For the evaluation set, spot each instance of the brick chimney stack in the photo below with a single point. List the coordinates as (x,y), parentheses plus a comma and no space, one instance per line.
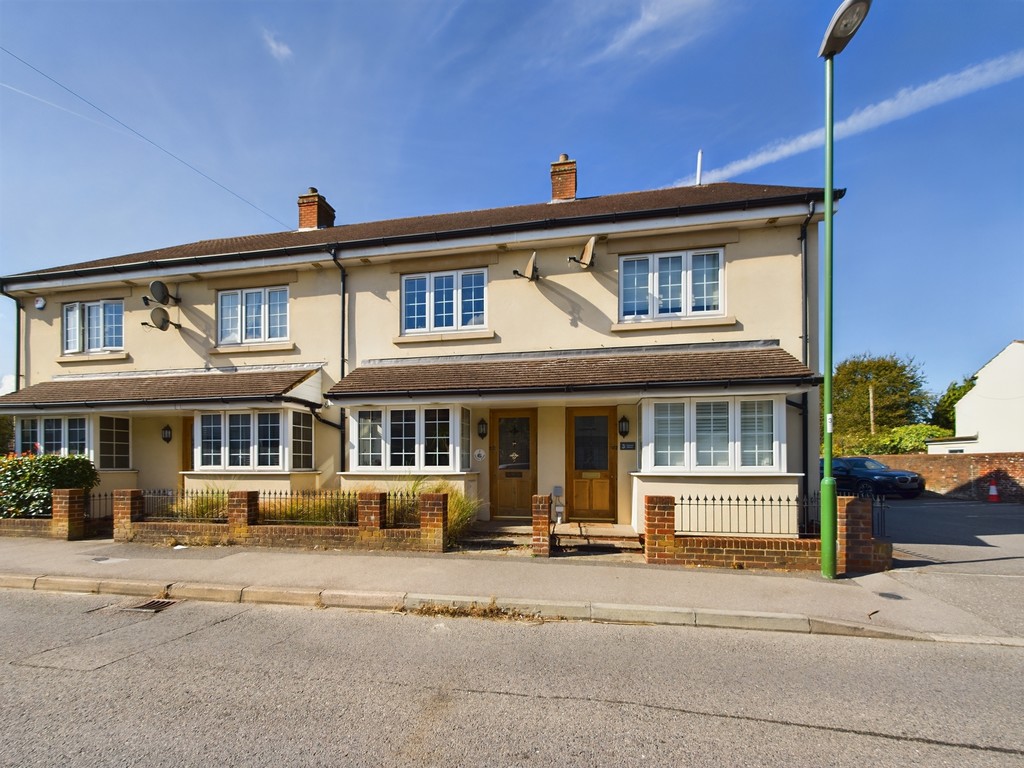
(563,179)
(314,211)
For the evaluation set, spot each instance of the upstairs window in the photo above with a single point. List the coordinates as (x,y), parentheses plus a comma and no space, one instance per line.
(252,315)
(444,301)
(667,285)
(93,326)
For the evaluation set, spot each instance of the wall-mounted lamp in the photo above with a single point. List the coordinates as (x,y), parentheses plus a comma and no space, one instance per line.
(165,433)
(481,428)
(623,426)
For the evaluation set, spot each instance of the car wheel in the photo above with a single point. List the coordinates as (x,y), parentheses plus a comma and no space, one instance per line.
(865,489)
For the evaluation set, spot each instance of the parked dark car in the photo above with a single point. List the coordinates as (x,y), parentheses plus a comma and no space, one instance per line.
(862,476)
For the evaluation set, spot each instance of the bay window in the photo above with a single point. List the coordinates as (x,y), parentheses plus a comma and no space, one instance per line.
(64,436)
(247,440)
(408,439)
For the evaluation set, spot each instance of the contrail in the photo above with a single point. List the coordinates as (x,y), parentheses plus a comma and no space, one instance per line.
(908,101)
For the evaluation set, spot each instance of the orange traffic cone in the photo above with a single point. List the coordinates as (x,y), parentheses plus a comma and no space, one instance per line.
(993,491)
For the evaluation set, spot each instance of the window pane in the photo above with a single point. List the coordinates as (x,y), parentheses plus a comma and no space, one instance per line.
(403,438)
(670,434)
(472,299)
(29,436)
(53,434)
(93,326)
(114,447)
(113,325)
(590,442)
(370,438)
(705,282)
(464,439)
(72,328)
(712,434)
(277,313)
(670,284)
(268,439)
(302,440)
(436,437)
(239,440)
(444,301)
(635,281)
(414,304)
(229,318)
(253,328)
(757,438)
(76,437)
(210,439)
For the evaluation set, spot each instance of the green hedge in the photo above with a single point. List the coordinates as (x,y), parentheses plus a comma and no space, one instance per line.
(27,482)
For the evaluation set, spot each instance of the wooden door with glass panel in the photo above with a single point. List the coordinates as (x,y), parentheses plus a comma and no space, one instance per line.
(591,453)
(513,462)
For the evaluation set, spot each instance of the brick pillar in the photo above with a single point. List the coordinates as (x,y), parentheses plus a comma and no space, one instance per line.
(659,528)
(542,526)
(128,508)
(68,520)
(433,509)
(854,553)
(372,508)
(243,511)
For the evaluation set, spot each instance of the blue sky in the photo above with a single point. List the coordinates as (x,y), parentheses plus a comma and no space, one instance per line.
(404,107)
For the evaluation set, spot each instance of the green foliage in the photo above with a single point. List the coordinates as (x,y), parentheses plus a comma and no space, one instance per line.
(27,482)
(944,414)
(894,385)
(6,434)
(199,506)
(462,510)
(310,508)
(909,438)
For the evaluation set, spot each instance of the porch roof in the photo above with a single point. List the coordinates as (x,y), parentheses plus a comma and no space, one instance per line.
(172,389)
(571,371)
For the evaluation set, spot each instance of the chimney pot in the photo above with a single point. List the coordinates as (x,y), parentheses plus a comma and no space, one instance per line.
(563,179)
(314,211)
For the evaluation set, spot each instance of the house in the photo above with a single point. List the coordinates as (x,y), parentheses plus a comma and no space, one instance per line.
(598,349)
(990,417)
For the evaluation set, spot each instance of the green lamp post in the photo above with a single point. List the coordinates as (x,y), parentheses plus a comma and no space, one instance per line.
(845,23)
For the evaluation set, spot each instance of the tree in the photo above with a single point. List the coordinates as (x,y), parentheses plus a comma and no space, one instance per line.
(873,395)
(944,414)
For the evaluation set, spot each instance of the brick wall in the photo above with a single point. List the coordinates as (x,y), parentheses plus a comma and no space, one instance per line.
(966,475)
(858,551)
(541,541)
(38,527)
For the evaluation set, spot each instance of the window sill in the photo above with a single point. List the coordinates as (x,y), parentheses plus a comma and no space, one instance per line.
(682,322)
(235,349)
(238,471)
(424,338)
(92,357)
(404,472)
(654,473)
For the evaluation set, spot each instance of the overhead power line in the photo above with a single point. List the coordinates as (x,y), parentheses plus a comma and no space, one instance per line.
(145,138)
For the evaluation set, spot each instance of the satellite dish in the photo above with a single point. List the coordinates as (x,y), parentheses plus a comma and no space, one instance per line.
(161,295)
(160,320)
(587,257)
(531,272)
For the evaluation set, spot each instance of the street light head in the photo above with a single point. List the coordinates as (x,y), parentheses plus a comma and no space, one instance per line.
(847,20)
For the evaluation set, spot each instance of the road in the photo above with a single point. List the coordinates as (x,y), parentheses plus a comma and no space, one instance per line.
(84,682)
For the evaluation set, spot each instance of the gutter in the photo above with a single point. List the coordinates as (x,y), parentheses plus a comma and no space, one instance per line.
(17,335)
(805,459)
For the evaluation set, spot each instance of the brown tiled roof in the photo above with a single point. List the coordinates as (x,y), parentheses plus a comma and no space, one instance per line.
(157,390)
(652,204)
(576,372)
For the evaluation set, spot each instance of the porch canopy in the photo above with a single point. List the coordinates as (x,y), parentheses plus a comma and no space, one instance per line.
(292,385)
(631,369)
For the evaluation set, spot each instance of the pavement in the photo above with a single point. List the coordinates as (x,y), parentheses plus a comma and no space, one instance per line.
(586,587)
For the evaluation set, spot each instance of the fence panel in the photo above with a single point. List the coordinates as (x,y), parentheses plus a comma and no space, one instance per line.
(185,505)
(323,507)
(403,510)
(747,516)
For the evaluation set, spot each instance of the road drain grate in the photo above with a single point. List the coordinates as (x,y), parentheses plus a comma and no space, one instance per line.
(151,606)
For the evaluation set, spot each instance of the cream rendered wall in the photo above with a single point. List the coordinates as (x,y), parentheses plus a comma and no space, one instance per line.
(994,408)
(158,463)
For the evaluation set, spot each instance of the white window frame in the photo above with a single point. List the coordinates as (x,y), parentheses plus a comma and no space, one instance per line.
(735,463)
(359,447)
(80,325)
(653,310)
(285,424)
(239,333)
(99,457)
(476,322)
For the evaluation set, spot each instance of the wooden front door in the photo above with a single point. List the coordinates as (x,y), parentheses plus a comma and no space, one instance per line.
(513,462)
(591,453)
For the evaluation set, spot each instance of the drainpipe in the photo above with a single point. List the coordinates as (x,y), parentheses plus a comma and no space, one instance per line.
(341,362)
(17,336)
(805,460)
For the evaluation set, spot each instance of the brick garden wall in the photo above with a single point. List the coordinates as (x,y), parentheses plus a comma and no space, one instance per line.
(966,475)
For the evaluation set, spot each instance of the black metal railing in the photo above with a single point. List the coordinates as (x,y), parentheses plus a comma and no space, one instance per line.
(402,510)
(746,515)
(99,506)
(320,507)
(200,506)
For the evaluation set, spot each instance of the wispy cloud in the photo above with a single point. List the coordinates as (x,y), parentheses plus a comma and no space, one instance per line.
(278,50)
(663,26)
(907,102)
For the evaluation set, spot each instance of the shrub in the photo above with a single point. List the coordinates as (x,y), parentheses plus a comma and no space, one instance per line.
(27,482)
(462,510)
